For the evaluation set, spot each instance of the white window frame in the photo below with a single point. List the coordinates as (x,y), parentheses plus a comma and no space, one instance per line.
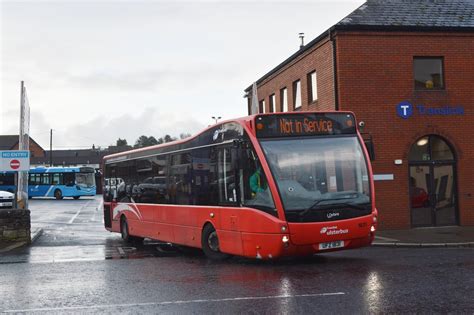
(284,99)
(297,94)
(313,86)
(272,103)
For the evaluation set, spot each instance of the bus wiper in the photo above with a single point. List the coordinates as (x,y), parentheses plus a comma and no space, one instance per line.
(317,202)
(350,205)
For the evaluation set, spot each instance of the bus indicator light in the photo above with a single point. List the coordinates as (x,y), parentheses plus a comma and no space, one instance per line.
(259,126)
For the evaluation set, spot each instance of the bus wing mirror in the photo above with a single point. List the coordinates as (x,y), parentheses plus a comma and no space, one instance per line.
(369,145)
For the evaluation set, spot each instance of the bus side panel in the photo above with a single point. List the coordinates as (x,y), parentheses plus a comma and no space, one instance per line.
(262,246)
(140,228)
(256,221)
(249,232)
(230,242)
(184,217)
(40,190)
(187,235)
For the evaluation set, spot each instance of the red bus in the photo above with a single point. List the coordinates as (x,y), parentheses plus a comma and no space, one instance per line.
(262,186)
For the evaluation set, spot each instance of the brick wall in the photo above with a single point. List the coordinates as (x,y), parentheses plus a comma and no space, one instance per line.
(35,149)
(320,59)
(374,75)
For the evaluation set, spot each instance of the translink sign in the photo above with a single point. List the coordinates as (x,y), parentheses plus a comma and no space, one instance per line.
(405,110)
(14,161)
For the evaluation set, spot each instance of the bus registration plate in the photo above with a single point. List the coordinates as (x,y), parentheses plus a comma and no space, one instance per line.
(330,245)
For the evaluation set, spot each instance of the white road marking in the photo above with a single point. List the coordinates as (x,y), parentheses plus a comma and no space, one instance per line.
(75,216)
(386,238)
(79,211)
(243,298)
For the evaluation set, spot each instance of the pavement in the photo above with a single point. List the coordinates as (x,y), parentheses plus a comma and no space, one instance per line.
(449,236)
(8,246)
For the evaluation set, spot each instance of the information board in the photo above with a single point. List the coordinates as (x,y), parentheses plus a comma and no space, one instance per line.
(14,161)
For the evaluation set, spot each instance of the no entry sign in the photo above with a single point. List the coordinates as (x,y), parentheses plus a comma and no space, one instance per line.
(14,161)
(15,164)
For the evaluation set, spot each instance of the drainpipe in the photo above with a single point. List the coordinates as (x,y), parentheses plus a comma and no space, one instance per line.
(334,67)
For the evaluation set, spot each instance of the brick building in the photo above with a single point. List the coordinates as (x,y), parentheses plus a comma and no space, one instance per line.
(11,142)
(406,69)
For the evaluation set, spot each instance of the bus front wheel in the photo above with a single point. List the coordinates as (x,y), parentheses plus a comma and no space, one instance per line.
(210,244)
(58,194)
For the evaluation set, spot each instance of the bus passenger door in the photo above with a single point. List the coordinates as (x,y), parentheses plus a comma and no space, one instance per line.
(228,198)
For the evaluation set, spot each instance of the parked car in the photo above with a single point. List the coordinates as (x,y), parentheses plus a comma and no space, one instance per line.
(6,199)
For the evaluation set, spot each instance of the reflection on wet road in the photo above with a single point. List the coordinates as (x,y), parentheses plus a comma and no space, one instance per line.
(78,267)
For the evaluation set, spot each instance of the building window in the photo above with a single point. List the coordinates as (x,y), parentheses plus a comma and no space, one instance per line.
(428,73)
(272,103)
(284,99)
(297,94)
(312,87)
(261,107)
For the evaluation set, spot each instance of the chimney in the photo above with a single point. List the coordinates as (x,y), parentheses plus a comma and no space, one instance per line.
(301,35)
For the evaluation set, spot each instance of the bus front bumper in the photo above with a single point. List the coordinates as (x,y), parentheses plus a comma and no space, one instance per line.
(271,246)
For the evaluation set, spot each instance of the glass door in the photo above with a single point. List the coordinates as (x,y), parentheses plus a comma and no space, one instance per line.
(444,197)
(433,195)
(420,195)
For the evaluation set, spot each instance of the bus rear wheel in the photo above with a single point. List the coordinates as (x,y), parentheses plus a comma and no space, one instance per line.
(210,244)
(58,194)
(126,234)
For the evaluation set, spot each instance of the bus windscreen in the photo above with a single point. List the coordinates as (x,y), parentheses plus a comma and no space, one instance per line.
(305,124)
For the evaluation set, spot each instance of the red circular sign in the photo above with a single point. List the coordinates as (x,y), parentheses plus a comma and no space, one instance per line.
(15,164)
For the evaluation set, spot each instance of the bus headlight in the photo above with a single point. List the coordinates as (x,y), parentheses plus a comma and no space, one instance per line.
(372,229)
(374,219)
(284,228)
(285,239)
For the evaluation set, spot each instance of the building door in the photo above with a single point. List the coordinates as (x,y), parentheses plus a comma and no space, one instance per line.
(432,181)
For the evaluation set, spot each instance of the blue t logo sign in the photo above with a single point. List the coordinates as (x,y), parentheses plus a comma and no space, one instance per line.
(404,109)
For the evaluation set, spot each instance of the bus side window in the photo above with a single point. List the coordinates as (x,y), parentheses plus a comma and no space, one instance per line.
(109,183)
(68,179)
(46,179)
(226,176)
(256,193)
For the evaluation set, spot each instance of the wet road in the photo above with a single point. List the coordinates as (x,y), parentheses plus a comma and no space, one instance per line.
(77,267)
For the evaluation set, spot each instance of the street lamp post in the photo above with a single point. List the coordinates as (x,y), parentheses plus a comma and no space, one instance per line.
(216,119)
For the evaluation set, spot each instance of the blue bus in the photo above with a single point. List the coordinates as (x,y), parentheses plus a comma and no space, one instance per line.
(57,182)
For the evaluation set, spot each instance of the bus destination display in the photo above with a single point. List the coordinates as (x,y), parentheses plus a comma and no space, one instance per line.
(289,125)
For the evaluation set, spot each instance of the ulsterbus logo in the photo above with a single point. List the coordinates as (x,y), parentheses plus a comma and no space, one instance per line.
(405,109)
(333,230)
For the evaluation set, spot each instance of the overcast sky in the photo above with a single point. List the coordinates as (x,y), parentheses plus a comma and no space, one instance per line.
(99,70)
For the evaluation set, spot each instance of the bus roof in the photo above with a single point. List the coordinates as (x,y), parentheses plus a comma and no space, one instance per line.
(242,121)
(78,169)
